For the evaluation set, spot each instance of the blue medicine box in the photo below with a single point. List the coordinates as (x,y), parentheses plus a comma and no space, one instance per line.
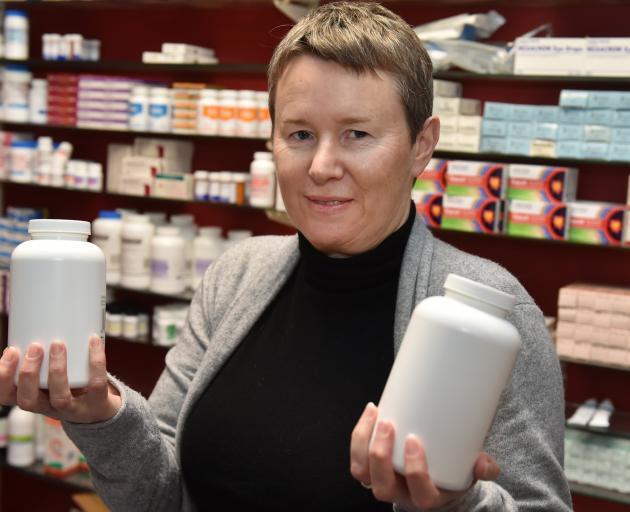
(521,129)
(572,115)
(523,112)
(516,146)
(570,132)
(496,110)
(546,131)
(573,98)
(547,114)
(493,145)
(568,148)
(494,127)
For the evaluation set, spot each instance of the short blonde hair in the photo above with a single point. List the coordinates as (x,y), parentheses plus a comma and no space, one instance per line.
(362,37)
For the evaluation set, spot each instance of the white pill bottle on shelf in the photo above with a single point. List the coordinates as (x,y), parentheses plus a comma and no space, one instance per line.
(106,233)
(263,188)
(168,261)
(21,427)
(58,293)
(444,387)
(135,264)
(15,35)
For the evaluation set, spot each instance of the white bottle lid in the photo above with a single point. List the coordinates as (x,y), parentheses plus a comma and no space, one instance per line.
(168,231)
(262,96)
(228,94)
(263,155)
(239,177)
(247,95)
(210,232)
(480,292)
(209,94)
(225,176)
(140,90)
(74,227)
(215,175)
(160,91)
(45,143)
(201,175)
(39,83)
(135,218)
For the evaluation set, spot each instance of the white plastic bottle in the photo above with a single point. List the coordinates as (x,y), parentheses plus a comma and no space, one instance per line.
(264,119)
(188,231)
(15,35)
(228,105)
(95,176)
(15,93)
(58,293)
(444,387)
(38,101)
(43,165)
(160,110)
(106,233)
(247,116)
(208,112)
(139,109)
(263,188)
(21,450)
(137,233)
(168,261)
(207,247)
(202,186)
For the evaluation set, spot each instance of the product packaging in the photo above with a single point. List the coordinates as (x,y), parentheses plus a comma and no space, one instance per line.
(429,207)
(596,223)
(476,179)
(433,178)
(478,215)
(533,219)
(541,183)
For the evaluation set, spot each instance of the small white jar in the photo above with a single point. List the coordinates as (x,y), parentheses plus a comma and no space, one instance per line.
(106,233)
(228,106)
(160,108)
(94,176)
(168,261)
(264,119)
(207,247)
(215,186)
(21,429)
(137,233)
(202,186)
(263,186)
(247,123)
(15,93)
(16,33)
(208,112)
(139,109)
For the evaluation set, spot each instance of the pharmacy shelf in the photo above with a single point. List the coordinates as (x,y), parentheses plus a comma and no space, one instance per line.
(600,492)
(611,366)
(185,296)
(77,481)
(32,126)
(121,65)
(509,77)
(619,423)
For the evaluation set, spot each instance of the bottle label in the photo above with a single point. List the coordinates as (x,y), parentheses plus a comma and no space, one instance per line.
(159,268)
(21,439)
(158,110)
(263,114)
(247,115)
(227,113)
(210,112)
(201,265)
(135,109)
(15,35)
(135,256)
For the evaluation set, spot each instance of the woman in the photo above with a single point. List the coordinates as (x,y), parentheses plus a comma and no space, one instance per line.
(289,337)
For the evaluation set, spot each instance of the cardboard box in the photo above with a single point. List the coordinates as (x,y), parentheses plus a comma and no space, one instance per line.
(115,155)
(475,179)
(447,142)
(547,113)
(534,219)
(599,116)
(173,186)
(175,150)
(521,129)
(497,110)
(541,183)
(546,131)
(473,214)
(429,207)
(516,146)
(596,223)
(519,112)
(597,133)
(448,123)
(493,145)
(543,148)
(458,106)
(568,149)
(61,457)
(467,142)
(574,98)
(469,125)
(447,89)
(549,56)
(494,127)
(433,178)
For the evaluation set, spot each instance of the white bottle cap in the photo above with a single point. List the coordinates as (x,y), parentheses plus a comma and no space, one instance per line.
(135,217)
(247,95)
(263,155)
(74,227)
(210,232)
(168,231)
(480,292)
(209,93)
(201,175)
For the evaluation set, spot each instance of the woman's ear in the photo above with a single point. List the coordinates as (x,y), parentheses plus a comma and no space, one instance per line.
(425,143)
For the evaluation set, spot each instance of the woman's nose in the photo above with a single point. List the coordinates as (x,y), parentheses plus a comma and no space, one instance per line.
(326,164)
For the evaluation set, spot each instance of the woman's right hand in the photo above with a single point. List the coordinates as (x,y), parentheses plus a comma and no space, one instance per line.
(97,402)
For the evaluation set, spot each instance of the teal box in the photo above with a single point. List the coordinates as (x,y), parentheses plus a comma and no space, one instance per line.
(568,148)
(496,110)
(570,132)
(574,99)
(597,133)
(604,99)
(494,128)
(521,129)
(599,116)
(595,150)
(546,131)
(516,146)
(620,134)
(572,115)
(493,145)
(621,118)
(619,152)
(623,101)
(547,113)
(523,112)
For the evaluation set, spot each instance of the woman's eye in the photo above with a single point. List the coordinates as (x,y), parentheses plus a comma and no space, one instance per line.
(358,134)
(301,135)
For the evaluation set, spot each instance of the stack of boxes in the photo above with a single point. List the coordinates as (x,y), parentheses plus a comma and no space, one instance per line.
(591,125)
(63,90)
(103,102)
(460,118)
(594,324)
(185,102)
(179,53)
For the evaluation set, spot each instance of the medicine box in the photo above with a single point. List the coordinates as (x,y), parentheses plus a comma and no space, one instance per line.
(521,129)
(596,223)
(619,152)
(447,142)
(469,125)
(568,149)
(516,146)
(599,116)
(478,215)
(605,100)
(620,118)
(595,150)
(573,98)
(597,133)
(493,145)
(447,89)
(549,56)
(543,148)
(61,456)
(572,115)
(541,183)
(429,207)
(448,123)
(570,131)
(523,112)
(476,179)
(547,131)
(494,127)
(433,178)
(459,106)
(547,113)
(467,142)
(173,186)
(496,110)
(534,219)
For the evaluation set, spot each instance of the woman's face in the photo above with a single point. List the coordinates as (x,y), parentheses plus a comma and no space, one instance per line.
(344,158)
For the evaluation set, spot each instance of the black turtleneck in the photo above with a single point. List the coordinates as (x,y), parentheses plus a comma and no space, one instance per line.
(271,432)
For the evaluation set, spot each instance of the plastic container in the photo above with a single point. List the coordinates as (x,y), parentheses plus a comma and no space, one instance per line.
(23,161)
(228,107)
(15,93)
(80,175)
(247,122)
(208,112)
(188,231)
(21,427)
(137,233)
(139,109)
(106,233)
(240,186)
(263,187)
(264,120)
(228,187)
(168,261)
(94,176)
(50,46)
(15,35)
(214,179)
(76,50)
(130,326)
(60,159)
(43,161)
(202,186)
(58,293)
(444,387)
(156,218)
(113,323)
(207,247)
(38,102)
(160,108)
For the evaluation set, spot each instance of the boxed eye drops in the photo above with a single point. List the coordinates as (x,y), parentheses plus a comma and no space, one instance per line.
(474,214)
(541,183)
(596,223)
(429,207)
(533,219)
(433,178)
(476,179)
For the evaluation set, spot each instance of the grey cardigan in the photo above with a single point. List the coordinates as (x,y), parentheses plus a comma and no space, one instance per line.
(134,456)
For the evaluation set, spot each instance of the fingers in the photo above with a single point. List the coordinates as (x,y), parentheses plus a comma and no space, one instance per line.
(359,462)
(486,468)
(98,383)
(422,491)
(384,483)
(29,396)
(8,367)
(58,389)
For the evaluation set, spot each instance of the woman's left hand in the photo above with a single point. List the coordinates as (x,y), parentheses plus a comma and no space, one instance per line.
(372,467)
